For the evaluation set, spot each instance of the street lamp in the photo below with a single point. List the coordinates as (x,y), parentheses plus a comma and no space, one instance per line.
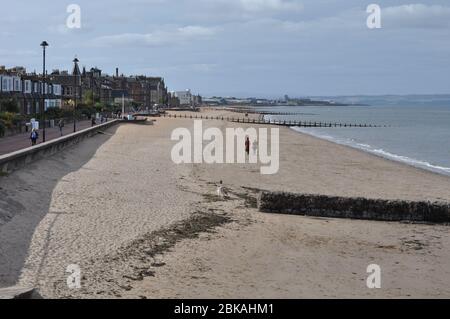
(75,62)
(44,44)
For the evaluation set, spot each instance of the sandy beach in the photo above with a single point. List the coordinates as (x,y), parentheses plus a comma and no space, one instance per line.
(140,226)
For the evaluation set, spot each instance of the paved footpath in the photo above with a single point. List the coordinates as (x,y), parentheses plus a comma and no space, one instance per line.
(20,141)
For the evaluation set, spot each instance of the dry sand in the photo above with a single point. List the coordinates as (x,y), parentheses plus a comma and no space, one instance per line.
(140,226)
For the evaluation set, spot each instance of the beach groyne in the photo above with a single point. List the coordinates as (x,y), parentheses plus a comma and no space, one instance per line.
(262,121)
(16,160)
(353,208)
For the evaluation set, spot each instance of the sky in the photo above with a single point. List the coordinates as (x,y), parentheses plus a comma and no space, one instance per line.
(244,48)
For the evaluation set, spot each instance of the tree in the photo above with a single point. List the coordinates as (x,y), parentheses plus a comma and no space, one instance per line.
(2,128)
(54,113)
(88,98)
(100,106)
(9,105)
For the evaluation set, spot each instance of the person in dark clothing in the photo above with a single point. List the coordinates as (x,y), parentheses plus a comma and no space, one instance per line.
(34,137)
(61,126)
(93,121)
(247,145)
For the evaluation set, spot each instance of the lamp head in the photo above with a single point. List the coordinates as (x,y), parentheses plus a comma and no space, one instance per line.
(44,44)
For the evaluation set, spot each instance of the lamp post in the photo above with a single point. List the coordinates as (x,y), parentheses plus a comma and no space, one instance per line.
(44,44)
(75,62)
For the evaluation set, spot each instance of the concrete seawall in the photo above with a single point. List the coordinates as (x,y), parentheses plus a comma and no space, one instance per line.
(354,208)
(16,160)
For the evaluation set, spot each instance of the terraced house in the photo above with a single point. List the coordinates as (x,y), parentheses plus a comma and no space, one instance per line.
(61,88)
(29,90)
(144,91)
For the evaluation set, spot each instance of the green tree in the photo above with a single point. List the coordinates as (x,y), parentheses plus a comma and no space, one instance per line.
(54,113)
(9,105)
(88,98)
(100,106)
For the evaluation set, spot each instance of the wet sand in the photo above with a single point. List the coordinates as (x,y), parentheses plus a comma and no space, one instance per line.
(110,205)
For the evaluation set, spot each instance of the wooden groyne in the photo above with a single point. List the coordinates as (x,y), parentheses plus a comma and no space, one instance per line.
(353,208)
(245,111)
(261,121)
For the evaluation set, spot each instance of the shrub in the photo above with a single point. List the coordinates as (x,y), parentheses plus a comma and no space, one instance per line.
(53,113)
(9,105)
(8,119)
(2,128)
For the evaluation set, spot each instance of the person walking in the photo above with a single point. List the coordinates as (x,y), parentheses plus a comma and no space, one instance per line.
(247,145)
(93,121)
(34,137)
(255,147)
(61,126)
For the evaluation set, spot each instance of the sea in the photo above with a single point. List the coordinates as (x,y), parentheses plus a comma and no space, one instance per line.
(416,129)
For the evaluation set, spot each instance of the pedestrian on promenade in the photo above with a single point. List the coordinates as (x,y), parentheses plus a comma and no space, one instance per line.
(255,147)
(61,126)
(34,136)
(247,145)
(93,121)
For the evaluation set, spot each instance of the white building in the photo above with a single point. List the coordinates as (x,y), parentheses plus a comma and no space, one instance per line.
(185,97)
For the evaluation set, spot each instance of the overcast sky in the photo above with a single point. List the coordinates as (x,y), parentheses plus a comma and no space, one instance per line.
(242,47)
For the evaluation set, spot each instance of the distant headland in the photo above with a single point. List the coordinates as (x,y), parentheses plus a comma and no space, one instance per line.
(286,101)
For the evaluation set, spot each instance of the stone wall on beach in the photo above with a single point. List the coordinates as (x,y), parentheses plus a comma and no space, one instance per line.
(354,208)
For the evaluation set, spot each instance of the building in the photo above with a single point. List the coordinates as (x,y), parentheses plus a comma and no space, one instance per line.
(70,86)
(62,88)
(100,85)
(29,90)
(145,92)
(173,101)
(185,97)
(198,100)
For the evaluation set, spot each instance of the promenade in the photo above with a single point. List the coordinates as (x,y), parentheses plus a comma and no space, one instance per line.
(20,141)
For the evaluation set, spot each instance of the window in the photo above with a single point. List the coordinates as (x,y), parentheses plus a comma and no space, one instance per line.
(57,89)
(27,84)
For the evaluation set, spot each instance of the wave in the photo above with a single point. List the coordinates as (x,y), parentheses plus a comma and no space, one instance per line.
(378,151)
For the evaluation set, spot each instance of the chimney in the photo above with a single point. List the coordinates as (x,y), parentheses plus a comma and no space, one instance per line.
(117,72)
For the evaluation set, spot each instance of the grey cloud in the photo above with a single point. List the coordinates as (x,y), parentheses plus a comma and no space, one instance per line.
(416,16)
(157,38)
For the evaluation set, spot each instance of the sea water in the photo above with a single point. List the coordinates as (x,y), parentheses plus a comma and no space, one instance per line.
(417,132)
